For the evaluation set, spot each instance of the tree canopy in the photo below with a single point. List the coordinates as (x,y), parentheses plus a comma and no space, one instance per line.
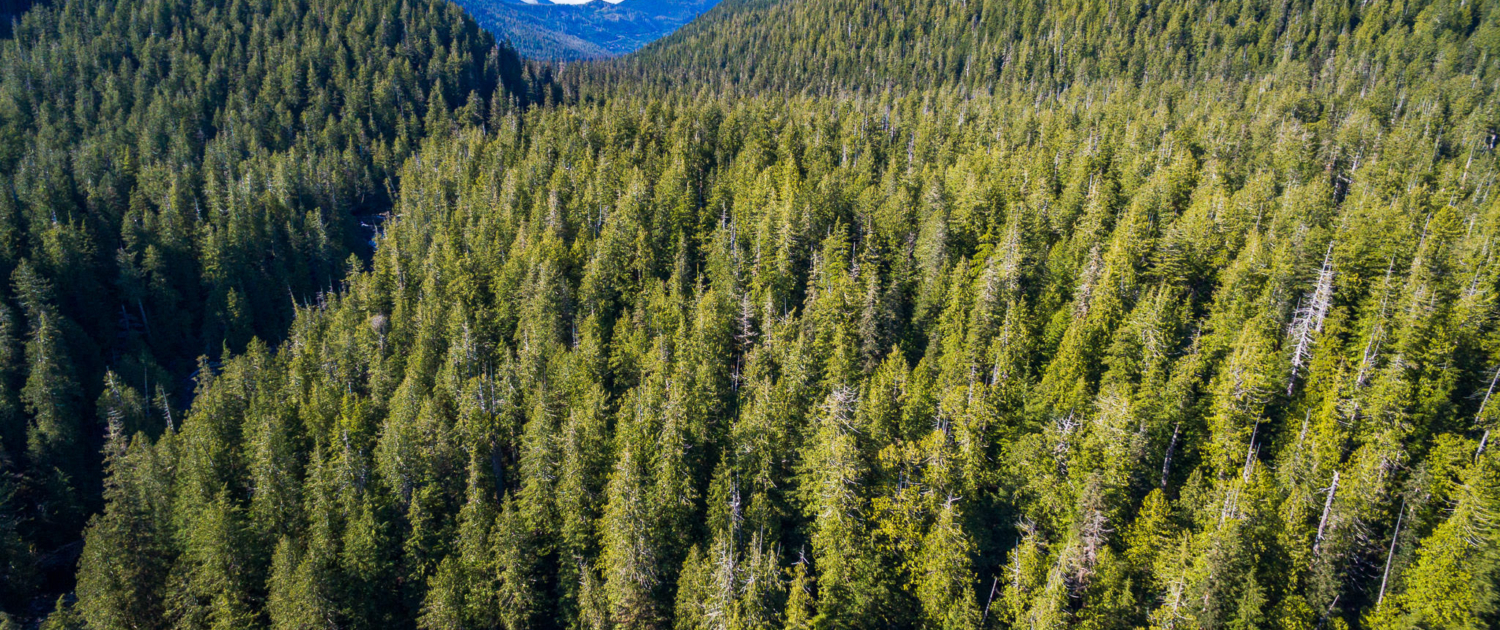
(815,314)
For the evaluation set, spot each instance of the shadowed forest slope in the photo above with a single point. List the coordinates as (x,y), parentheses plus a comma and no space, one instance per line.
(174,178)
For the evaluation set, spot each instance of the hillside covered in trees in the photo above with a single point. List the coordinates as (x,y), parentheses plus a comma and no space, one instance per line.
(815,314)
(174,178)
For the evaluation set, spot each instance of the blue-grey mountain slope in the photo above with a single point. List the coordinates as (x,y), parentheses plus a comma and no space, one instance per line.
(594,29)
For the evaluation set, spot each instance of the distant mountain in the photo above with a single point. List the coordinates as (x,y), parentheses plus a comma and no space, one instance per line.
(569,29)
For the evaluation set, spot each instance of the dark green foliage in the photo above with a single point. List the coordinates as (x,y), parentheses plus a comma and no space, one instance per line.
(175,177)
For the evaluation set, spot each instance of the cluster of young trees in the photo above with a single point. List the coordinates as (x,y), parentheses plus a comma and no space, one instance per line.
(815,315)
(174,176)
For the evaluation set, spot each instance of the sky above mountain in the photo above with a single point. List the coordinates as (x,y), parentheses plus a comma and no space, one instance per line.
(582,29)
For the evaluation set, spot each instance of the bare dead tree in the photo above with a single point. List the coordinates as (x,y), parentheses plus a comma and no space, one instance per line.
(1394,536)
(994,588)
(1377,332)
(1308,319)
(1327,507)
(1479,417)
(1166,465)
(1084,294)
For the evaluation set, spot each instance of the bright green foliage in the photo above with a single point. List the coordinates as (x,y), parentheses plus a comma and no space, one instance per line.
(1452,583)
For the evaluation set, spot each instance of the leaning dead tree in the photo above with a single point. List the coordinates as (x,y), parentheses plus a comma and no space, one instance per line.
(1479,417)
(1389,554)
(1307,322)
(1327,507)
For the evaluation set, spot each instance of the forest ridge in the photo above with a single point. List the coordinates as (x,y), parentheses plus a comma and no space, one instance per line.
(815,314)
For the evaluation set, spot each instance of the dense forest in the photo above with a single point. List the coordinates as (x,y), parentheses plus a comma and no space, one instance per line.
(174,178)
(832,47)
(815,314)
